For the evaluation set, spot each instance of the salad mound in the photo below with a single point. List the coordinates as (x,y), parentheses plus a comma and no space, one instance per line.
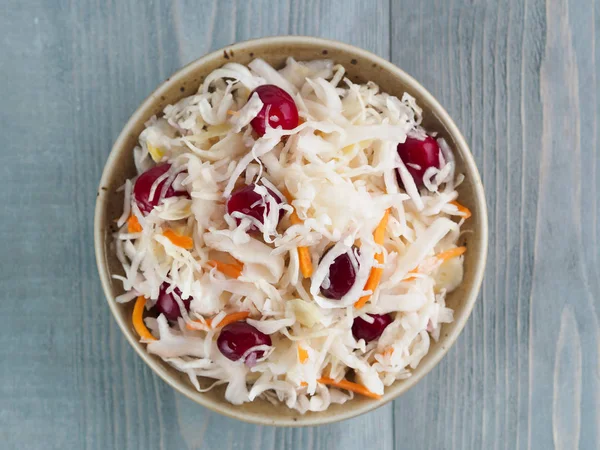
(290,234)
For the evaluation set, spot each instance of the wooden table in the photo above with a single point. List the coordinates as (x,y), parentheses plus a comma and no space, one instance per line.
(520,78)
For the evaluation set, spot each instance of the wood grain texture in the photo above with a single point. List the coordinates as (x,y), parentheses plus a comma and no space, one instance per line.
(518,76)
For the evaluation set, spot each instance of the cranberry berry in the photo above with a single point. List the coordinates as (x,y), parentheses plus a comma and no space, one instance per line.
(279,109)
(237,338)
(361,329)
(418,156)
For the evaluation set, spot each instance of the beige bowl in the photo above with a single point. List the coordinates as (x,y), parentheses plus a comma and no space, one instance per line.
(362,66)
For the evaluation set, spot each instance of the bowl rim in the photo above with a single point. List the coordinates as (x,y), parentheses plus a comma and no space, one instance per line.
(392,391)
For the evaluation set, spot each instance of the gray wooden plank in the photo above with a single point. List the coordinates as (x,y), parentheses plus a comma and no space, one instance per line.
(519,78)
(76,71)
(573,326)
(36,343)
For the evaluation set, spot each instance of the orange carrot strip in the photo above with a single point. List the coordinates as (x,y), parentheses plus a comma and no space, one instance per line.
(231,270)
(293,216)
(388,351)
(376,272)
(305,262)
(443,256)
(232,113)
(138,319)
(133,224)
(349,386)
(372,282)
(237,263)
(463,209)
(379,233)
(295,219)
(302,355)
(410,274)
(452,253)
(193,328)
(303,383)
(229,318)
(304,259)
(185,242)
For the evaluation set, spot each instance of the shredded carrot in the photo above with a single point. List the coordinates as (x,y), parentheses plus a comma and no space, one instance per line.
(138,319)
(409,276)
(293,216)
(133,224)
(303,383)
(376,272)
(302,355)
(295,219)
(379,233)
(304,259)
(372,282)
(452,253)
(232,113)
(388,351)
(231,270)
(442,257)
(349,386)
(229,318)
(237,263)
(463,209)
(305,262)
(179,240)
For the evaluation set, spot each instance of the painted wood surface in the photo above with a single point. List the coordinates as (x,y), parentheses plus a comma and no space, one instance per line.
(520,78)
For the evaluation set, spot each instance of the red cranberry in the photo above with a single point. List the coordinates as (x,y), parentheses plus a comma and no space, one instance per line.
(249,202)
(237,338)
(424,154)
(167,305)
(342,275)
(143,185)
(361,329)
(282,110)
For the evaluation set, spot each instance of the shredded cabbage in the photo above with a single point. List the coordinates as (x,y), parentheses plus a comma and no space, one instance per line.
(340,167)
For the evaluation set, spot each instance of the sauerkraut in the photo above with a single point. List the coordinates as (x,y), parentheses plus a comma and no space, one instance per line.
(319,183)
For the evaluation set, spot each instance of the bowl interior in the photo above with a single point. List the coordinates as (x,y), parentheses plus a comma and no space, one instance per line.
(361,66)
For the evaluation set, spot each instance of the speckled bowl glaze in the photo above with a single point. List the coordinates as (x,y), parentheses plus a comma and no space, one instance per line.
(362,66)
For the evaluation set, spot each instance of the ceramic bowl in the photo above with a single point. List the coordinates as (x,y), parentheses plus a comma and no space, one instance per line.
(362,66)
